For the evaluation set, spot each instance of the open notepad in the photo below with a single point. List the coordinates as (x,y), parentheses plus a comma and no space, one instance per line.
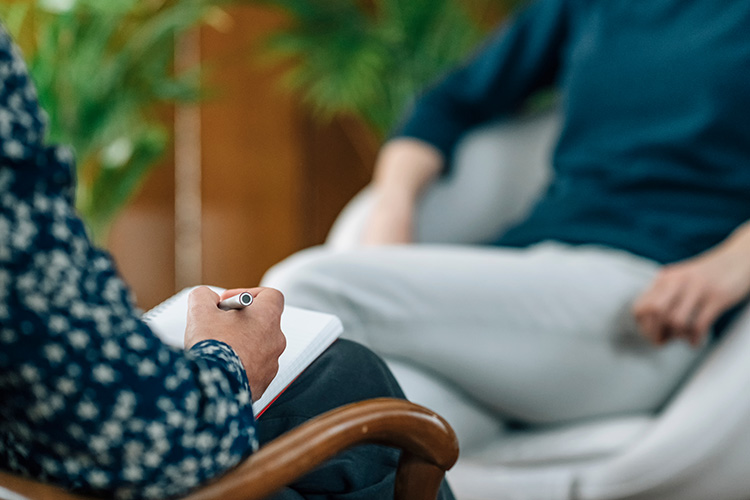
(308,333)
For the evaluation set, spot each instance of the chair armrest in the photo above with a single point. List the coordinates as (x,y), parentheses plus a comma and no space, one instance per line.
(428,443)
(700,439)
(19,488)
(429,448)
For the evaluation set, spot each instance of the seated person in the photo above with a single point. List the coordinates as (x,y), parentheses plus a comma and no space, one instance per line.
(602,299)
(92,401)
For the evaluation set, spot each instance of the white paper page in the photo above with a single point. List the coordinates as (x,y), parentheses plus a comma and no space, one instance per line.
(308,334)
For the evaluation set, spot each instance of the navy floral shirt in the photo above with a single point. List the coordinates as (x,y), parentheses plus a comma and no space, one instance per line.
(90,399)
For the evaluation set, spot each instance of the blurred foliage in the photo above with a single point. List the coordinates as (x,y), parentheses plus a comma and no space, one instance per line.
(370,58)
(102,67)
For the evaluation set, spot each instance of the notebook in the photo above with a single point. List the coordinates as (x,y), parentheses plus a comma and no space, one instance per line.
(308,333)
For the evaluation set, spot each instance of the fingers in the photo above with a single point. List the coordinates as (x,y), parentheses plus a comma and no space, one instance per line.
(687,297)
(265,294)
(680,319)
(270,296)
(677,307)
(652,309)
(704,319)
(236,291)
(202,298)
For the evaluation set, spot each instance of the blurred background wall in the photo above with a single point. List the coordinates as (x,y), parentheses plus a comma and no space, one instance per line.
(272,178)
(214,138)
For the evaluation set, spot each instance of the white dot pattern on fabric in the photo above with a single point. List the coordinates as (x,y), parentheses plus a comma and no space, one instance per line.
(91,399)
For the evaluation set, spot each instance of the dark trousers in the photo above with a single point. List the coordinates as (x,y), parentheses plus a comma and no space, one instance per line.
(345,373)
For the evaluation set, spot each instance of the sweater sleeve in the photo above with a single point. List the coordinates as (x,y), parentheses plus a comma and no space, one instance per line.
(91,399)
(521,57)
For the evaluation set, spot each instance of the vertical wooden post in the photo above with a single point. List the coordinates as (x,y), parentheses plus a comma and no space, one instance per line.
(187,149)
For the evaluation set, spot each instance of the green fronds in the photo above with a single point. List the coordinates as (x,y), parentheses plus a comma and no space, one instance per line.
(102,69)
(370,58)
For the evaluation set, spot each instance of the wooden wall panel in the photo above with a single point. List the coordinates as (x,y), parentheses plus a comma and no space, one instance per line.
(273,179)
(142,239)
(339,157)
(252,159)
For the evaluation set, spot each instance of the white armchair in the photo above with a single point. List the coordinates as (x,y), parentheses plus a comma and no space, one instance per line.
(696,448)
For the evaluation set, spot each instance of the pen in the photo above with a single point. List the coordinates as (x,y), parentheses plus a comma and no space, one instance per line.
(236,302)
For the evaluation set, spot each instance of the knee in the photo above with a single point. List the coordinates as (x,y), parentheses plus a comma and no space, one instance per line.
(291,269)
(345,352)
(355,365)
(340,283)
(302,275)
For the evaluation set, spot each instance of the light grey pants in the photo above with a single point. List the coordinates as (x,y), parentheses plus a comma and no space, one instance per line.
(540,335)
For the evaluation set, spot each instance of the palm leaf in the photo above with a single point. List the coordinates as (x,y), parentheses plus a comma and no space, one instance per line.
(102,68)
(371,59)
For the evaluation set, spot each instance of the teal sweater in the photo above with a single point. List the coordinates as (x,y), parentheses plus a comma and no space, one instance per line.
(654,154)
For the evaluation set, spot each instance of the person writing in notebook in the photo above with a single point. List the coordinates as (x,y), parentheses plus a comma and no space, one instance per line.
(92,401)
(602,299)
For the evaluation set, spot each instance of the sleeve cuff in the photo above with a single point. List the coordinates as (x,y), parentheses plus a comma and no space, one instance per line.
(221,355)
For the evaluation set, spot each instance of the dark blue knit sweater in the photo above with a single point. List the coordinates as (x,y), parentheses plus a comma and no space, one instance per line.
(654,156)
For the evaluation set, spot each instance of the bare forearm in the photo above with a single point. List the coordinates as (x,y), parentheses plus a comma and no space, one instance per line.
(405,167)
(739,241)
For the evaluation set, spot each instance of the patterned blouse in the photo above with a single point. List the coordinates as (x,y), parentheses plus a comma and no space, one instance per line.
(90,399)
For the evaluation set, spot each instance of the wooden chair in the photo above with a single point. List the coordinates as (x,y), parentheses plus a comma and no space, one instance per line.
(429,448)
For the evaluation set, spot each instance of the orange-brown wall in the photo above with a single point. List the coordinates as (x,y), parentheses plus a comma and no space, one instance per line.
(273,179)
(142,239)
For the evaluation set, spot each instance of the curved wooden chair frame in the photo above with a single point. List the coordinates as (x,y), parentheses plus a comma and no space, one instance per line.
(429,448)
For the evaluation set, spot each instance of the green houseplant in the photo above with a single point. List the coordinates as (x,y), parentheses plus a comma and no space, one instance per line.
(102,69)
(369,58)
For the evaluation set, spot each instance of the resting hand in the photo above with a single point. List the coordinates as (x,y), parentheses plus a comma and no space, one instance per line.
(404,168)
(686,298)
(254,332)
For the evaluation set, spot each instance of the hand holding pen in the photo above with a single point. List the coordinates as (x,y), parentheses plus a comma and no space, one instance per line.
(255,336)
(238,301)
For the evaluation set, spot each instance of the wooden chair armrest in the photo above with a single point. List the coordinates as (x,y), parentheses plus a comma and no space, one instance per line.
(31,490)
(429,448)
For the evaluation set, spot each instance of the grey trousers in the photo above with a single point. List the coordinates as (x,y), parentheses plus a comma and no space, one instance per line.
(536,335)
